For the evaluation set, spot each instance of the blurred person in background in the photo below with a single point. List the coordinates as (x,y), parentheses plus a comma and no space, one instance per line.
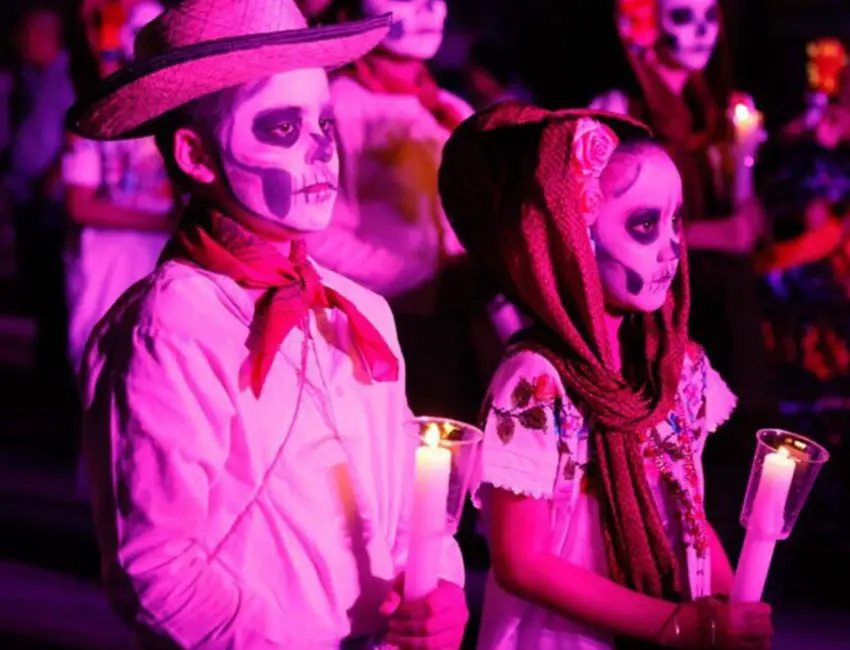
(39,95)
(124,208)
(489,75)
(804,180)
(389,232)
(676,79)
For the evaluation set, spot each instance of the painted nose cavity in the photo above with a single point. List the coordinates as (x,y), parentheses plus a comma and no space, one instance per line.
(671,252)
(323,150)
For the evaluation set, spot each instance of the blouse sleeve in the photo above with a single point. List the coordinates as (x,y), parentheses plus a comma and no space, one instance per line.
(520,448)
(720,401)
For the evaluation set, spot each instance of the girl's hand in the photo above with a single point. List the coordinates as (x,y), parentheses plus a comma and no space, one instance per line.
(709,623)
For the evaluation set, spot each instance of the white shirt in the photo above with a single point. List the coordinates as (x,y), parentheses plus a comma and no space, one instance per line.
(230,521)
(389,232)
(104,262)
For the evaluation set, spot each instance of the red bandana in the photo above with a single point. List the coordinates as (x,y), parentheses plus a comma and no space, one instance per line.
(220,244)
(378,73)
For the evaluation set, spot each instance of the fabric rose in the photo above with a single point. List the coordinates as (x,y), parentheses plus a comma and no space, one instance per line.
(593,144)
(589,197)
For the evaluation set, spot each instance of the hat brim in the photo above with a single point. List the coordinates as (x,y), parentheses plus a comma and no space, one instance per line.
(129,101)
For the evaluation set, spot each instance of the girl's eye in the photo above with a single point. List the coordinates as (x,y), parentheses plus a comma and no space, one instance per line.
(327,125)
(677,222)
(645,226)
(285,129)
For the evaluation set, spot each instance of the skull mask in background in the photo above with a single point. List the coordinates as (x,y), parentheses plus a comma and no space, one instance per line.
(417,27)
(139,15)
(689,31)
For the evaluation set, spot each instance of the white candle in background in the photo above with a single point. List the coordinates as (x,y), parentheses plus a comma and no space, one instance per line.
(428,516)
(749,135)
(764,526)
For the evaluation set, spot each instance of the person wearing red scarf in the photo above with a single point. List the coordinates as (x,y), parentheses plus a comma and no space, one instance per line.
(596,419)
(245,407)
(389,231)
(676,78)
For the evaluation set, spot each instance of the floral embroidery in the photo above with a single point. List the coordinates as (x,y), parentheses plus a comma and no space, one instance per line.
(589,477)
(671,444)
(545,389)
(530,401)
(540,390)
(504,427)
(523,393)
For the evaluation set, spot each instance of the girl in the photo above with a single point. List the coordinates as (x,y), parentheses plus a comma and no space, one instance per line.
(597,417)
(675,76)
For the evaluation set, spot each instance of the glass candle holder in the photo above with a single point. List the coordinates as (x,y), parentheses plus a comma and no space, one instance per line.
(446,453)
(784,469)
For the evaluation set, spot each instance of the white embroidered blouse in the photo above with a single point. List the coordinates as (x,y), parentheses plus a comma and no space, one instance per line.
(536,444)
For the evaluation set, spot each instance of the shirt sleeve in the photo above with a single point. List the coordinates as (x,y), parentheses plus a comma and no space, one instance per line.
(156,438)
(81,163)
(720,401)
(613,101)
(520,448)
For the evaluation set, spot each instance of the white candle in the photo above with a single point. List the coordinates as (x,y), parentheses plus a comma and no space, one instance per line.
(764,526)
(428,516)
(748,138)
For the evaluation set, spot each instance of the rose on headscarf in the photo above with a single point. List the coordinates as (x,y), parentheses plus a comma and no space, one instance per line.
(593,145)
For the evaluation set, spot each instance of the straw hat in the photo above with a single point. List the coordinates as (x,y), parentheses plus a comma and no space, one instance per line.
(202,46)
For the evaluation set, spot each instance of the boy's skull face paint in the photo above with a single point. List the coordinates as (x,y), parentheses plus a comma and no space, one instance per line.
(638,233)
(417,27)
(689,31)
(140,14)
(278,150)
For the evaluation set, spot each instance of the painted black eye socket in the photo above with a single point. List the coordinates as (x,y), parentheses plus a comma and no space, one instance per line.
(711,14)
(682,16)
(328,125)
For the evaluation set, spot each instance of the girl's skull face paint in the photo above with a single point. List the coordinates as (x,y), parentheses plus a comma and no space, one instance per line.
(689,31)
(140,14)
(278,150)
(417,27)
(638,230)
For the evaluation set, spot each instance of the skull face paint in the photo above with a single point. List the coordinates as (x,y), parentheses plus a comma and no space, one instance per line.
(140,14)
(278,150)
(638,230)
(417,27)
(689,31)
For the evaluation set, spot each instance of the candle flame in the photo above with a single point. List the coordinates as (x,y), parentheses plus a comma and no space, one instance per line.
(783,451)
(799,444)
(742,114)
(432,435)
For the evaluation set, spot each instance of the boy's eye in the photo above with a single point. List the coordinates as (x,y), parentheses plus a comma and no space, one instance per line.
(328,125)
